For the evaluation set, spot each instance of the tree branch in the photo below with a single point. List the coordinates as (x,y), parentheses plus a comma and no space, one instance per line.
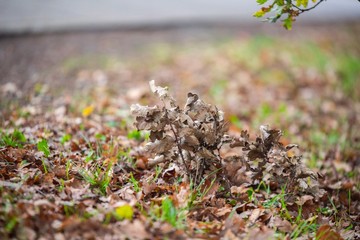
(308,9)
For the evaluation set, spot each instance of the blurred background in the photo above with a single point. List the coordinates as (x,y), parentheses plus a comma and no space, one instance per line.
(36,16)
(51,41)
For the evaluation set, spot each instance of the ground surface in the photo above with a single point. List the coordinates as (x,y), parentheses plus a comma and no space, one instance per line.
(74,167)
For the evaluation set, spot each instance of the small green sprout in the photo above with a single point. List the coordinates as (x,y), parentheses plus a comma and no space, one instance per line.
(16,139)
(44,147)
(135,183)
(65,138)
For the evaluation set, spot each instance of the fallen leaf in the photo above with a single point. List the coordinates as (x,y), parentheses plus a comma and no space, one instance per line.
(235,223)
(326,233)
(124,212)
(304,199)
(87,111)
(134,230)
(223,211)
(255,214)
(281,224)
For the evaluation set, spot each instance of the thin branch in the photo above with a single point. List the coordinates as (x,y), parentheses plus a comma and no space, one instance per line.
(307,9)
(180,150)
(178,143)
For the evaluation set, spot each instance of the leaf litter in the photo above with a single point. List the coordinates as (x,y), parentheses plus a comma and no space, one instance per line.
(188,174)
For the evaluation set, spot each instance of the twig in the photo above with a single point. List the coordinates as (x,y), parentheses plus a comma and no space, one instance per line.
(307,9)
(199,170)
(178,143)
(180,150)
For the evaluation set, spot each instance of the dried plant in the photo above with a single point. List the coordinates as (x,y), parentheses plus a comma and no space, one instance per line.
(193,136)
(268,160)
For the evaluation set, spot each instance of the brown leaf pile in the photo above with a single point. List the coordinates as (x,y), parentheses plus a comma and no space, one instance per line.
(104,180)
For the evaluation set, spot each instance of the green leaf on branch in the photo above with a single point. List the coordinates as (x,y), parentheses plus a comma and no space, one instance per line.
(284,8)
(261,1)
(259,14)
(288,23)
(305,3)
